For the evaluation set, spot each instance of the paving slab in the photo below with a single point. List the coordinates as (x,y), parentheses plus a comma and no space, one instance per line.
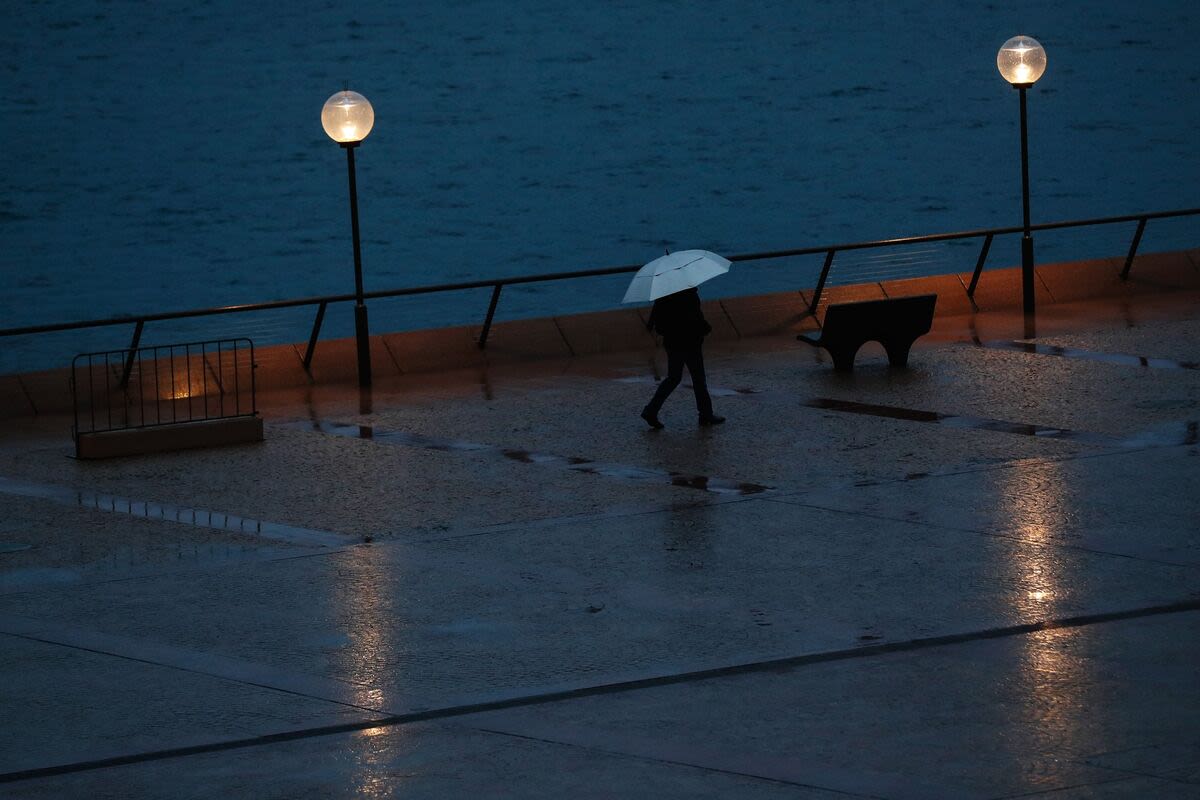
(418,761)
(992,718)
(981,719)
(1041,502)
(103,706)
(478,618)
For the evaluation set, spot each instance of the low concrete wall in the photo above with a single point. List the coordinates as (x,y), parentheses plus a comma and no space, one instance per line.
(164,438)
(334,361)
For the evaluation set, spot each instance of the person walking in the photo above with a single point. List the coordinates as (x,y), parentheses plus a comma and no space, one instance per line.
(679,319)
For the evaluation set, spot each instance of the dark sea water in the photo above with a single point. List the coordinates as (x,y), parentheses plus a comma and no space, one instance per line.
(169,155)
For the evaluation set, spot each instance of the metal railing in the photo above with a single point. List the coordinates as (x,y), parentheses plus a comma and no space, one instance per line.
(498,284)
(163,385)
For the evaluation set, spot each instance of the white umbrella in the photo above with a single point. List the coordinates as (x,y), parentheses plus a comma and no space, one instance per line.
(673,273)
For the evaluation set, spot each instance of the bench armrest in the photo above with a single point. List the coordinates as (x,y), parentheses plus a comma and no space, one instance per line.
(800,337)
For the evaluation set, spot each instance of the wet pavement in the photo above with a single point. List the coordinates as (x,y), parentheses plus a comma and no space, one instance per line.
(977,578)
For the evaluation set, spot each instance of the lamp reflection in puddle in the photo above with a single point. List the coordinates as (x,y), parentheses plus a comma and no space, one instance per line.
(1052,681)
(1037,500)
(369,615)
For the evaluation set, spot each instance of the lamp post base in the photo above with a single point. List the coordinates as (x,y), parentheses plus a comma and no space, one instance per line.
(1027,284)
(363,337)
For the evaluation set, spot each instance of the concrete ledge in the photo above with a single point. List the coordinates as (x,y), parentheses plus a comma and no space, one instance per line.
(1155,272)
(46,390)
(279,366)
(163,438)
(608,331)
(426,351)
(1001,288)
(1081,280)
(850,293)
(723,328)
(952,293)
(336,361)
(768,314)
(524,340)
(13,400)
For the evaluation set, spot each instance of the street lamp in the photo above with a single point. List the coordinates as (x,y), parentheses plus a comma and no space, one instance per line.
(1021,61)
(348,117)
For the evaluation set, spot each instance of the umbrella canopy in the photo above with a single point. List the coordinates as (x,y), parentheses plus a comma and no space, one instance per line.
(673,273)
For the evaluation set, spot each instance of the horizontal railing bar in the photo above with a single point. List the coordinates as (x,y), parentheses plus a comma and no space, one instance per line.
(587,273)
(231,340)
(973,234)
(882,262)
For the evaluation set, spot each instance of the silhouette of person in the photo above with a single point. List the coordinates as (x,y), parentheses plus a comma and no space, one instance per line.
(680,321)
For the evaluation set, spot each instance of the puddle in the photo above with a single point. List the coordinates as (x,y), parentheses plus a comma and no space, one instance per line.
(184,515)
(703,483)
(961,421)
(37,577)
(1087,355)
(1170,434)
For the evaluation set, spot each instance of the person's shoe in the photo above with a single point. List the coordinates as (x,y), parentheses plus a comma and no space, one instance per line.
(652,419)
(712,419)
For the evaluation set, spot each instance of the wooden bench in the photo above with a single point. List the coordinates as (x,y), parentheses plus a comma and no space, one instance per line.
(895,323)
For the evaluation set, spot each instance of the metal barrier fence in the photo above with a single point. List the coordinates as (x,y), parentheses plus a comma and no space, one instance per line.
(163,385)
(498,284)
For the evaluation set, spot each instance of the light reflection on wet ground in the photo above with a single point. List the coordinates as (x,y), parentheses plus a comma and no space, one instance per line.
(704,483)
(167,512)
(1122,359)
(959,421)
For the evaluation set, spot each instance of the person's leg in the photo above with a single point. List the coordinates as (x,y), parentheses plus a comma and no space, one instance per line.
(675,362)
(695,365)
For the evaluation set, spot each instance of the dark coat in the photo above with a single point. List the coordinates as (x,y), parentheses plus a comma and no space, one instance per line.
(679,319)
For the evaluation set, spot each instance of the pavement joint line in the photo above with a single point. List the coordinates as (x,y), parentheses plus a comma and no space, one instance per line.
(1128,774)
(591,748)
(715,391)
(525,701)
(1007,535)
(721,486)
(780,494)
(521,526)
(167,512)
(246,673)
(166,568)
(1057,789)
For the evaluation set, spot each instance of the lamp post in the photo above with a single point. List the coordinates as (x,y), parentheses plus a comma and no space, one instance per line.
(348,117)
(1021,61)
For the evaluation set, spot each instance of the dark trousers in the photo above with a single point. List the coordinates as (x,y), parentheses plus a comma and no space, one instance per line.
(677,359)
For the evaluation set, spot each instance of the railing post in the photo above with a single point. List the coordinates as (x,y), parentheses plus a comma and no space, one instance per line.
(983,254)
(812,308)
(491,312)
(312,339)
(133,346)
(253,380)
(1137,239)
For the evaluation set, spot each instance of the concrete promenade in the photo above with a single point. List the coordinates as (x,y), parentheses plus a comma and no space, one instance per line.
(976,578)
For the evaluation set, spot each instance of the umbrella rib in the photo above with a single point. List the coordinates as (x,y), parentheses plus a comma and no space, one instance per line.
(681,266)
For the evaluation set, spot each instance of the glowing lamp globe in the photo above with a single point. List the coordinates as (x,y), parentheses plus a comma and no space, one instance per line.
(1021,60)
(347,117)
